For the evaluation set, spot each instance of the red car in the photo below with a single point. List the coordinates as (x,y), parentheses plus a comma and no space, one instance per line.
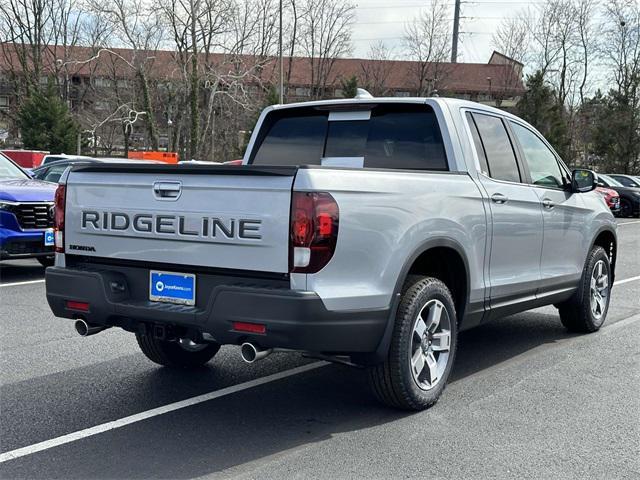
(611,197)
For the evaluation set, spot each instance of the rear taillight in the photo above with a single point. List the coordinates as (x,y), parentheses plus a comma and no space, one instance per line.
(59,204)
(314,231)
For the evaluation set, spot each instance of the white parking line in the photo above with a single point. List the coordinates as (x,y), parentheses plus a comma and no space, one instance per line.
(627,280)
(15,284)
(154,412)
(629,223)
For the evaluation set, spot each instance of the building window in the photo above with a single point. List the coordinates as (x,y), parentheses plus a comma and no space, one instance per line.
(123,83)
(402,93)
(4,102)
(303,92)
(339,92)
(101,105)
(101,82)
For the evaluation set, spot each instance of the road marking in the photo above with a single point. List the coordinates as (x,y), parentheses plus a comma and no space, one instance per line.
(15,284)
(629,223)
(154,412)
(627,280)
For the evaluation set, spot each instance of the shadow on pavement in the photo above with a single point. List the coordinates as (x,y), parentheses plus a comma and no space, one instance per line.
(245,427)
(20,271)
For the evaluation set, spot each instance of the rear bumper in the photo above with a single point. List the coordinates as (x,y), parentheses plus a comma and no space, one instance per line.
(293,319)
(17,244)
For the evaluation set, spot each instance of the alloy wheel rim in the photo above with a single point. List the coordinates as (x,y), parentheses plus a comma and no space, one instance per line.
(430,345)
(599,290)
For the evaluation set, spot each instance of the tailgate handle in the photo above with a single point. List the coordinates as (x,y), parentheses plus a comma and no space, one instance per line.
(167,190)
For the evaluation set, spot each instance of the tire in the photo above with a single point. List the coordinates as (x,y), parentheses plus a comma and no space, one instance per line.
(625,208)
(46,261)
(174,354)
(586,311)
(394,382)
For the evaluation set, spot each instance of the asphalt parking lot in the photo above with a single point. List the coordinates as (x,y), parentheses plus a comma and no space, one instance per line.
(526,399)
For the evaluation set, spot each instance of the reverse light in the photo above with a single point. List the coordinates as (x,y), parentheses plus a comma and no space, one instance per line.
(58,217)
(314,231)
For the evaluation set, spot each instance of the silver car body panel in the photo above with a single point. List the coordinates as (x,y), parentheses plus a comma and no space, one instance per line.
(387,217)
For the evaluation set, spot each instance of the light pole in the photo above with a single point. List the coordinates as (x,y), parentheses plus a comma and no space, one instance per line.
(280,54)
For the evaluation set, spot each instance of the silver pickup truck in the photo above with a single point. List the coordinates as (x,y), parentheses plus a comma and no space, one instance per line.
(365,231)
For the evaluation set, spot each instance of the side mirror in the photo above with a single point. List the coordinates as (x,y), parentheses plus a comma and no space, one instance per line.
(583,180)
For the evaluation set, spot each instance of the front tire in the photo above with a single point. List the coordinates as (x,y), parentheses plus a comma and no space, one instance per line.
(423,347)
(181,353)
(626,210)
(586,311)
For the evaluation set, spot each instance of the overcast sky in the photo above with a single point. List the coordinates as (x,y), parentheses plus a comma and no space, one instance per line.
(385,20)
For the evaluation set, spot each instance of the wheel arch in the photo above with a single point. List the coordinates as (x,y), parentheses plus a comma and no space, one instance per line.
(608,240)
(421,262)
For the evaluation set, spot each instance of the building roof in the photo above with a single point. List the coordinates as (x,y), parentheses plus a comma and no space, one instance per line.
(164,65)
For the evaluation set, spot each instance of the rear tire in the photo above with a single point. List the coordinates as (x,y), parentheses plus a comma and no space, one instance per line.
(174,354)
(423,347)
(46,261)
(586,311)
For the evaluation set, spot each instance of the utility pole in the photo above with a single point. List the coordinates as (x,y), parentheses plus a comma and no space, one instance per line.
(281,67)
(456,28)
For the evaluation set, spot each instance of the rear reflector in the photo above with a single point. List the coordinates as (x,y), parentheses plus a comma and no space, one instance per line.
(249,327)
(82,306)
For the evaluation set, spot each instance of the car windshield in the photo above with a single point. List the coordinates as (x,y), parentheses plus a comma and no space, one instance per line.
(10,171)
(610,181)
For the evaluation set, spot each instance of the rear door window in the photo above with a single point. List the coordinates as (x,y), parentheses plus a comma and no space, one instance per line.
(498,150)
(293,140)
(397,136)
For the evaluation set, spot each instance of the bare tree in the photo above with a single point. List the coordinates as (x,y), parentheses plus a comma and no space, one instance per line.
(325,35)
(428,43)
(136,26)
(377,69)
(511,38)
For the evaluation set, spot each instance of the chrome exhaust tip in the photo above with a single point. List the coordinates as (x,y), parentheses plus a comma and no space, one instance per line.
(85,329)
(250,353)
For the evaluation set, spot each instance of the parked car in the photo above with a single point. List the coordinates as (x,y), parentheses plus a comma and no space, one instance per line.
(363,231)
(626,180)
(61,156)
(26,218)
(629,196)
(54,170)
(611,197)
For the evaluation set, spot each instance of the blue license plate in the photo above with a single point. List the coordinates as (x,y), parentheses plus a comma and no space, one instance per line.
(49,239)
(172,287)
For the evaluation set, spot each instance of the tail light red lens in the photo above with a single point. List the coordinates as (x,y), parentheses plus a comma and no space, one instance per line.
(59,206)
(314,231)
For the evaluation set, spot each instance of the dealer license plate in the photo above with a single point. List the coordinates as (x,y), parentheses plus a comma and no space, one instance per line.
(172,287)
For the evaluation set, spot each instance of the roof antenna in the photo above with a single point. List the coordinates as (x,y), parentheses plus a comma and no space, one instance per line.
(362,93)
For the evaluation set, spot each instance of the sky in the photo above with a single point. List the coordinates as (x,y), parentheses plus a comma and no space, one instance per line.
(386,20)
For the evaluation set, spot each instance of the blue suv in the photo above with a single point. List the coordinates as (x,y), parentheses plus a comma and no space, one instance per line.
(26,215)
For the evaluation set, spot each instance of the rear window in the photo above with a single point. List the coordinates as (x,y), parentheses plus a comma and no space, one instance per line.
(400,136)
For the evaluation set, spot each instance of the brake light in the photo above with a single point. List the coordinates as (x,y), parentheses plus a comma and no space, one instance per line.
(59,206)
(234,162)
(314,231)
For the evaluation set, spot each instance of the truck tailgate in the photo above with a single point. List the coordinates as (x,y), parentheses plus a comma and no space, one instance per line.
(222,217)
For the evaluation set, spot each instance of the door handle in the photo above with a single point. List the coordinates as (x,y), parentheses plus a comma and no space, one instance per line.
(546,203)
(499,198)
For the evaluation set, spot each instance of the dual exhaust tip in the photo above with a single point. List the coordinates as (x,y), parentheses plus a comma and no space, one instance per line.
(85,329)
(249,352)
